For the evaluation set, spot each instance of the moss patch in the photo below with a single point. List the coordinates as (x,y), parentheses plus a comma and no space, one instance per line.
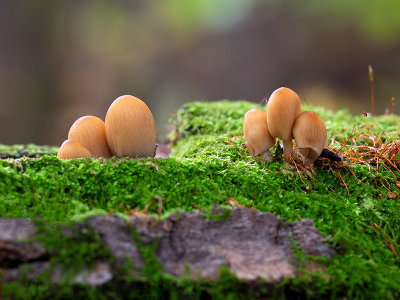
(21,150)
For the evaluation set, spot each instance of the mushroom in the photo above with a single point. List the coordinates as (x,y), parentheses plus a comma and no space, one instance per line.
(282,109)
(72,149)
(91,133)
(130,128)
(258,138)
(309,132)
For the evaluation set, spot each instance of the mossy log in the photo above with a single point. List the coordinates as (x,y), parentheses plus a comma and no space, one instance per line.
(254,246)
(354,205)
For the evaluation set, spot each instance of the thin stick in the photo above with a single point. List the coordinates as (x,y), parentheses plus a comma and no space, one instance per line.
(389,242)
(354,128)
(159,210)
(345,184)
(371,82)
(369,255)
(297,169)
(351,171)
(393,105)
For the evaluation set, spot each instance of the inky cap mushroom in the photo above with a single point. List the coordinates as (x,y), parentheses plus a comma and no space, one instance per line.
(72,149)
(130,128)
(91,133)
(310,134)
(282,109)
(258,138)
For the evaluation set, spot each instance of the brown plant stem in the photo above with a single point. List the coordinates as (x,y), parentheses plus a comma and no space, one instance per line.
(371,81)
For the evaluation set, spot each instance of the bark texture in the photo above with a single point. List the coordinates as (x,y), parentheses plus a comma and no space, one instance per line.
(251,244)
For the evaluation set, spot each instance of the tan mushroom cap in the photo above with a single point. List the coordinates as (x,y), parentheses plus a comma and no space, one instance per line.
(310,134)
(72,149)
(258,138)
(130,128)
(91,133)
(282,109)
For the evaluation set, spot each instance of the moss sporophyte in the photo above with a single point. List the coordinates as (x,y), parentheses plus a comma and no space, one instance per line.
(354,204)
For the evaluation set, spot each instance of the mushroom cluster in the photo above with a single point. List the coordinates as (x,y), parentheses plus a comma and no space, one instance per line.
(284,120)
(128,131)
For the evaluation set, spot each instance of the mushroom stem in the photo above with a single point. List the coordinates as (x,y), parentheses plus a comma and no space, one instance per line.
(309,156)
(287,147)
(266,156)
(312,158)
(305,152)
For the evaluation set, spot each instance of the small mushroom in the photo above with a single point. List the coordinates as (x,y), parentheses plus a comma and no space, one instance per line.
(72,149)
(258,138)
(130,128)
(310,134)
(282,109)
(91,133)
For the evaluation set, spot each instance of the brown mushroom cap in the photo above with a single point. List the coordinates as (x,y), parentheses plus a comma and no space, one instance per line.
(258,138)
(310,134)
(72,149)
(282,109)
(130,128)
(91,133)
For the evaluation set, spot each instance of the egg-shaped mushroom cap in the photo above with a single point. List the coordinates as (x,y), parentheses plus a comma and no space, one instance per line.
(309,131)
(255,129)
(282,109)
(91,133)
(130,128)
(72,149)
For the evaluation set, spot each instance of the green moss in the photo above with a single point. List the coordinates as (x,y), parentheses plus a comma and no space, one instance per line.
(152,269)
(72,247)
(211,117)
(210,166)
(21,150)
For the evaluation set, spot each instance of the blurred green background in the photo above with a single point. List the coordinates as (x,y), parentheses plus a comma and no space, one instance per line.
(60,60)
